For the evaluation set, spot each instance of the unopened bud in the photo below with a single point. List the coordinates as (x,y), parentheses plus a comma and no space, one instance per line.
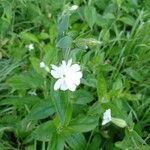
(42,65)
(119,122)
(74,7)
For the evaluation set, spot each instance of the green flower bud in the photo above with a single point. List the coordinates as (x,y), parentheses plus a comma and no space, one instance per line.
(119,122)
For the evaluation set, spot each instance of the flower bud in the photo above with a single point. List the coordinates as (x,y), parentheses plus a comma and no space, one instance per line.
(42,65)
(74,7)
(47,69)
(119,122)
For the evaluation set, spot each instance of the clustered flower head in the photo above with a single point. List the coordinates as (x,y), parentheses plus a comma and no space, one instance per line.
(68,75)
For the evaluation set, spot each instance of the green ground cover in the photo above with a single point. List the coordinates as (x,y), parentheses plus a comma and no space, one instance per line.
(109,40)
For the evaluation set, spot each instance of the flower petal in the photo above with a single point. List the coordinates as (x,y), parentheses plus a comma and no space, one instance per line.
(55,74)
(104,122)
(76,81)
(64,86)
(106,117)
(75,67)
(54,67)
(79,74)
(71,85)
(58,84)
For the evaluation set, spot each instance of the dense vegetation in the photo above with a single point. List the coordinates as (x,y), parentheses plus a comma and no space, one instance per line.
(109,39)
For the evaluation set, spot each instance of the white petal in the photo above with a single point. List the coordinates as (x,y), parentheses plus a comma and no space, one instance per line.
(106,117)
(58,84)
(64,86)
(75,67)
(79,74)
(71,85)
(55,74)
(54,67)
(76,81)
(63,66)
(104,122)
(31,47)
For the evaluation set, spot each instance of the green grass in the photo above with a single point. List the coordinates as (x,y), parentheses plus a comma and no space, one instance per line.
(109,39)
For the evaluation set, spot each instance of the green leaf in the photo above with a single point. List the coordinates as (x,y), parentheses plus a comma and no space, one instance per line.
(60,102)
(76,141)
(63,24)
(36,65)
(89,80)
(65,42)
(134,74)
(53,31)
(44,132)
(95,109)
(43,36)
(51,55)
(83,124)
(57,142)
(119,2)
(68,113)
(90,15)
(117,85)
(29,37)
(133,141)
(95,143)
(102,89)
(129,20)
(6,68)
(40,111)
(83,97)
(26,80)
(21,101)
(105,35)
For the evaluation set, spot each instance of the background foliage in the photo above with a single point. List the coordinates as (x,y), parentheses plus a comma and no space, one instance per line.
(109,39)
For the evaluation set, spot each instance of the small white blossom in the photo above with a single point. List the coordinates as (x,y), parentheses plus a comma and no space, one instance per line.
(74,7)
(30,47)
(42,65)
(32,93)
(107,117)
(68,76)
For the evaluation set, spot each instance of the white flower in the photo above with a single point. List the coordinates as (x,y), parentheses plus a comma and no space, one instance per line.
(42,65)
(107,117)
(74,7)
(32,93)
(30,47)
(68,75)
